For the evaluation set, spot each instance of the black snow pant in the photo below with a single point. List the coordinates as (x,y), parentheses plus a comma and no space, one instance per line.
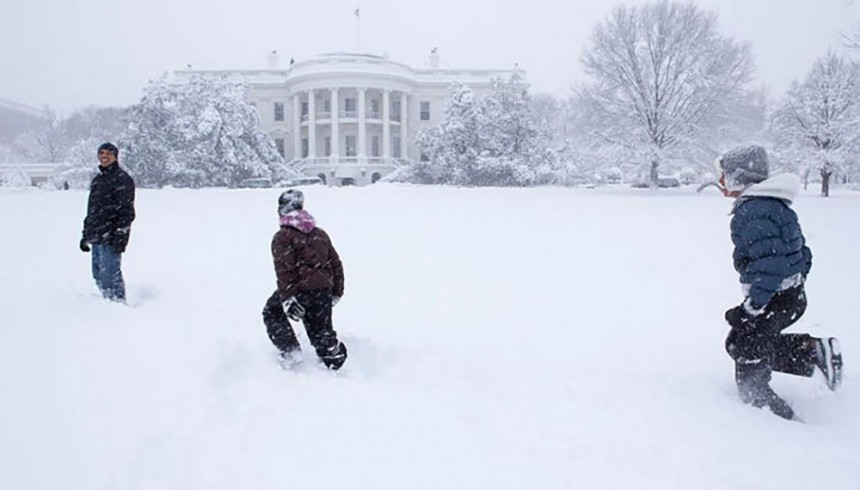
(317,320)
(760,347)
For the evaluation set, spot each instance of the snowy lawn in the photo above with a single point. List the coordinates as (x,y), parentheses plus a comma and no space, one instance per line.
(499,339)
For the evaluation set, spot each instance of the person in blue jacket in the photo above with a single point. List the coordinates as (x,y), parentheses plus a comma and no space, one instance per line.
(773,260)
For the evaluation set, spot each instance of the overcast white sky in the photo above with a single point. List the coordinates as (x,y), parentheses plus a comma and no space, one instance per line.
(72,53)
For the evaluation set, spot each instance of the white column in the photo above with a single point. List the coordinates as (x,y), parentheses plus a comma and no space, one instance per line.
(404,127)
(297,127)
(362,124)
(312,125)
(335,126)
(386,124)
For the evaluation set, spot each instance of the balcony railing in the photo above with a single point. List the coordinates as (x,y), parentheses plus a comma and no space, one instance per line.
(349,115)
(348,161)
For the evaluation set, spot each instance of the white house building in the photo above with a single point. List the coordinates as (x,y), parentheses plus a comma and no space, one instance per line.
(349,118)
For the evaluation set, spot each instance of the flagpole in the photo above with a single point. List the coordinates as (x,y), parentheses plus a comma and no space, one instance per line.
(358,28)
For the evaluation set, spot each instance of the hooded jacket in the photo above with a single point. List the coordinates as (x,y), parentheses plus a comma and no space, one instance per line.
(770,250)
(304,257)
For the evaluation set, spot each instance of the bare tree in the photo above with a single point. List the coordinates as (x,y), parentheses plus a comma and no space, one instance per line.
(852,39)
(663,78)
(46,143)
(819,122)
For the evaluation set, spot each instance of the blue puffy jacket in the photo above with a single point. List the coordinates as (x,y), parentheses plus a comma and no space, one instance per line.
(769,245)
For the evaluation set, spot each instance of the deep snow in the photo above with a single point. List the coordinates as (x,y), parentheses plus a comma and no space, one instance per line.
(499,338)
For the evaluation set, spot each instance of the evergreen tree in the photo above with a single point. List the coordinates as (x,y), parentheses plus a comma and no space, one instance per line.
(201,133)
(484,141)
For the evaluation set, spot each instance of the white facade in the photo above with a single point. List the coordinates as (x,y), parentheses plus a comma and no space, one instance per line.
(349,118)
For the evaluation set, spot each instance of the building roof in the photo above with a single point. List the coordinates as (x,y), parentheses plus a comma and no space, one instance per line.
(348,63)
(22,109)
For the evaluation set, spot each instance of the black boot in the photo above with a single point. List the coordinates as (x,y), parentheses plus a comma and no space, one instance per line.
(333,357)
(753,379)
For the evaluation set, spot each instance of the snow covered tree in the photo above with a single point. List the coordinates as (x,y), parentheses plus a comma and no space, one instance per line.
(555,122)
(84,131)
(14,177)
(663,78)
(200,133)
(46,144)
(512,135)
(484,141)
(818,124)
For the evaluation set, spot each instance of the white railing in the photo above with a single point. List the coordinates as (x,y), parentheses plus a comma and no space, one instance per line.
(322,115)
(300,163)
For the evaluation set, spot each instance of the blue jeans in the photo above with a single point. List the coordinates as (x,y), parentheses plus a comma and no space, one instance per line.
(107,273)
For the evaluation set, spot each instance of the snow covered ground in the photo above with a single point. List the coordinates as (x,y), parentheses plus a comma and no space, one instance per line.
(499,338)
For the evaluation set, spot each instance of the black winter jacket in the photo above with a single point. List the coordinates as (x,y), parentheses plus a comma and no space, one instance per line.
(110,209)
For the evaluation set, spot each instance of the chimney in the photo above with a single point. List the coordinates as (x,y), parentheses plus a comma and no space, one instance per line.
(273,60)
(434,58)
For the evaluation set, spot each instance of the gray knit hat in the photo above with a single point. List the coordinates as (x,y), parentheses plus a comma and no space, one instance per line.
(290,200)
(744,166)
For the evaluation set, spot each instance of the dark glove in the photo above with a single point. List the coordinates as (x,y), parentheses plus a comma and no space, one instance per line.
(743,315)
(85,247)
(293,309)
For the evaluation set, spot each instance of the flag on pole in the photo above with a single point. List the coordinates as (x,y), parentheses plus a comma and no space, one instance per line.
(357,13)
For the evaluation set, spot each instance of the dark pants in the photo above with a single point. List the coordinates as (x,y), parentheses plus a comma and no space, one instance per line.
(107,272)
(317,320)
(760,347)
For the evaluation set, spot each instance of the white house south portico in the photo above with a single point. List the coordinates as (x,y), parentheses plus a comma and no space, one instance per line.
(352,116)
(349,118)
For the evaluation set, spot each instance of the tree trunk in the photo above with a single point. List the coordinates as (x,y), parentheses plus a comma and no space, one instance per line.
(825,182)
(655,163)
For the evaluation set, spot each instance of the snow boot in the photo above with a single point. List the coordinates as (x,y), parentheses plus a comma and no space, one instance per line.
(753,379)
(290,359)
(828,359)
(334,357)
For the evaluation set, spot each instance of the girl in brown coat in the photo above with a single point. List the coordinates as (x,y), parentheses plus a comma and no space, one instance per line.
(310,283)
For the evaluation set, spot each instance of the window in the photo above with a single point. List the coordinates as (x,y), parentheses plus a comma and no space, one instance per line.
(350,145)
(279,144)
(425,111)
(327,105)
(305,148)
(304,108)
(349,107)
(396,143)
(374,108)
(395,110)
(328,146)
(279,111)
(374,146)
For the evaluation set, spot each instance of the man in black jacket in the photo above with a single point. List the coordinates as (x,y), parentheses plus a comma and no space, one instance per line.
(110,211)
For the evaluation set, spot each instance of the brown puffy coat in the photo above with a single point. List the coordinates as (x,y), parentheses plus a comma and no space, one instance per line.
(305,261)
